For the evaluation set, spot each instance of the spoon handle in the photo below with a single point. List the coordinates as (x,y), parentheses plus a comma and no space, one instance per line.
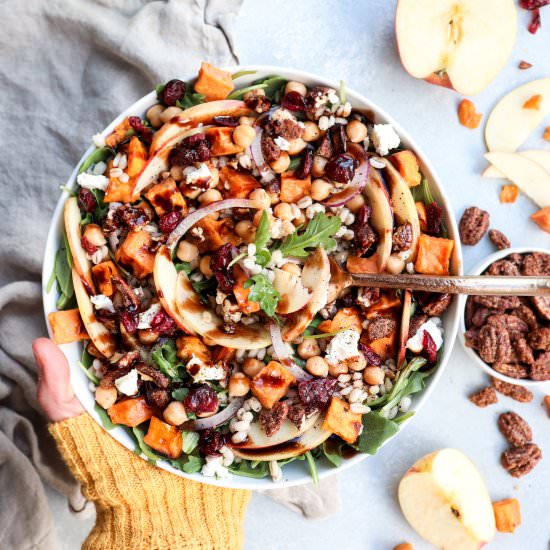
(473,285)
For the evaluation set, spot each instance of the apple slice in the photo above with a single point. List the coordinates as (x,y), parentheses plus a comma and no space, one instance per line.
(404,207)
(539,156)
(444,498)
(294,295)
(509,124)
(83,266)
(404,327)
(528,175)
(102,339)
(461,44)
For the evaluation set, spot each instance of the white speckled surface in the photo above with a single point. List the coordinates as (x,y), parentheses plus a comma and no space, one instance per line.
(354,40)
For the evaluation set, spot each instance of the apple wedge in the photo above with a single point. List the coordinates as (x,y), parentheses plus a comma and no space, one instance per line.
(528,175)
(102,339)
(444,498)
(404,327)
(539,156)
(81,263)
(509,123)
(460,44)
(404,207)
(294,295)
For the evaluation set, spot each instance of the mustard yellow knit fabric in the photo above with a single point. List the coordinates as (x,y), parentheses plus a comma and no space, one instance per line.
(140,506)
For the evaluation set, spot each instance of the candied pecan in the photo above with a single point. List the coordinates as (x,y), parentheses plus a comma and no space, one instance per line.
(129,298)
(469,312)
(519,461)
(523,351)
(132,216)
(109,377)
(324,148)
(518,393)
(471,338)
(155,375)
(511,323)
(157,397)
(526,314)
(434,304)
(272,420)
(480,316)
(317,102)
(402,238)
(473,225)
(503,267)
(514,429)
(513,370)
(417,320)
(499,239)
(516,258)
(498,302)
(494,344)
(257,102)
(128,360)
(297,415)
(536,263)
(539,338)
(542,305)
(270,149)
(287,128)
(485,397)
(540,370)
(380,327)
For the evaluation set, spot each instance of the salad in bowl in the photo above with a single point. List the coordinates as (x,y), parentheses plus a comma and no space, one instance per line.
(198,246)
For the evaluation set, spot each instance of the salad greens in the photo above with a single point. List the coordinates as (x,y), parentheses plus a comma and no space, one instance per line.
(262,291)
(376,429)
(62,276)
(167,361)
(99,155)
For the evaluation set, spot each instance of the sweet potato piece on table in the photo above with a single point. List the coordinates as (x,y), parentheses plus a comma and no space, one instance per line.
(164,438)
(507,515)
(67,326)
(341,421)
(130,412)
(542,218)
(241,293)
(221,142)
(406,164)
(434,255)
(191,345)
(271,384)
(103,274)
(239,184)
(293,189)
(166,197)
(347,317)
(135,252)
(509,193)
(213,82)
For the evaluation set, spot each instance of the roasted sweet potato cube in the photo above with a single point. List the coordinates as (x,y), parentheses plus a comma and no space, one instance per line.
(119,191)
(191,345)
(221,142)
(346,317)
(103,274)
(213,82)
(507,515)
(293,189)
(135,253)
(222,353)
(388,300)
(237,184)
(130,412)
(166,197)
(271,384)
(356,264)
(341,421)
(67,326)
(118,134)
(137,157)
(434,255)
(164,438)
(385,347)
(241,294)
(406,164)
(215,233)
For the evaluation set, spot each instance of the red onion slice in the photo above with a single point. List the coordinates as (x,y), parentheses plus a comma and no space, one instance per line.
(190,220)
(354,187)
(282,354)
(255,152)
(219,418)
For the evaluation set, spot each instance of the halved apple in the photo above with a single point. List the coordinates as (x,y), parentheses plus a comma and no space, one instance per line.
(81,263)
(509,123)
(528,175)
(538,155)
(404,327)
(461,44)
(444,498)
(102,339)
(294,295)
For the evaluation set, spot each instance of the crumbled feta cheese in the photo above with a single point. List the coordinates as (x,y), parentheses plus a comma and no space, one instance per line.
(282,143)
(205,371)
(433,327)
(409,267)
(99,168)
(275,470)
(148,315)
(245,161)
(98,140)
(384,138)
(128,384)
(342,347)
(281,228)
(375,163)
(326,122)
(92,181)
(194,175)
(214,467)
(277,259)
(101,301)
(333,97)
(99,255)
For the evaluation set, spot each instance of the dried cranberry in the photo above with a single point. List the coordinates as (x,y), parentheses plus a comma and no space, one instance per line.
(219,262)
(317,392)
(226,121)
(293,101)
(163,324)
(169,221)
(363,215)
(86,200)
(365,238)
(130,321)
(534,25)
(172,91)
(195,148)
(433,219)
(306,164)
(340,168)
(429,349)
(201,400)
(370,355)
(210,442)
(88,246)
(338,138)
(144,132)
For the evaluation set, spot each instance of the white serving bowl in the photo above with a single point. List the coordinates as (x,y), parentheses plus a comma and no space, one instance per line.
(472,354)
(295,473)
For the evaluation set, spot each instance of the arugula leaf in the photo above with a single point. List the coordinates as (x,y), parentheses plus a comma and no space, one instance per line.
(102,207)
(238,74)
(247,468)
(100,154)
(91,377)
(190,441)
(166,359)
(376,429)
(319,232)
(180,394)
(238,94)
(104,417)
(312,468)
(294,162)
(205,288)
(262,291)
(159,88)
(142,447)
(62,275)
(190,100)
(333,452)
(263,256)
(193,464)
(273,86)
(184,266)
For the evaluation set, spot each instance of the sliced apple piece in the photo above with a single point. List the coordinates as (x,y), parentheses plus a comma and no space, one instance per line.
(404,327)
(509,123)
(294,295)
(74,237)
(462,44)
(538,155)
(528,175)
(102,339)
(444,498)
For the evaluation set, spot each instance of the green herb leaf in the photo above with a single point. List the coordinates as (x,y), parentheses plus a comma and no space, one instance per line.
(312,468)
(238,74)
(144,448)
(190,100)
(206,287)
(262,291)
(180,394)
(185,267)
(246,468)
(62,274)
(263,256)
(159,88)
(91,377)
(104,417)
(319,232)
(376,429)
(190,441)
(294,162)
(166,359)
(273,86)
(101,208)
(333,453)
(238,94)
(101,154)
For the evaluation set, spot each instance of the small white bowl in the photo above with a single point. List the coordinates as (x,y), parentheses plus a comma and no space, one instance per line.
(480,268)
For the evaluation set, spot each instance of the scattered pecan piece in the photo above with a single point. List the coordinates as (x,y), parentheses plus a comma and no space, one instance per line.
(380,327)
(539,338)
(540,370)
(270,149)
(513,370)
(519,461)
(484,398)
(494,344)
(514,429)
(524,65)
(157,397)
(272,420)
(523,351)
(518,393)
(504,321)
(402,238)
(324,148)
(473,225)
(536,263)
(435,304)
(155,375)
(257,101)
(499,239)
(480,315)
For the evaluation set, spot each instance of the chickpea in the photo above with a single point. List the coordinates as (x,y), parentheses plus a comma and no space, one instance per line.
(320,189)
(175,413)
(274,197)
(177,172)
(293,86)
(300,220)
(395,264)
(338,369)
(187,252)
(283,211)
(214,177)
(318,168)
(247,120)
(317,366)
(311,131)
(251,366)
(296,146)
(94,235)
(356,131)
(246,231)
(355,204)
(106,397)
(243,135)
(293,269)
(239,385)
(281,164)
(169,113)
(210,196)
(204,266)
(373,376)
(153,115)
(357,363)
(147,336)
(260,197)
(308,348)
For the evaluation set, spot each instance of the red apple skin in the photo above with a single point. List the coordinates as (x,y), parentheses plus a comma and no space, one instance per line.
(440,80)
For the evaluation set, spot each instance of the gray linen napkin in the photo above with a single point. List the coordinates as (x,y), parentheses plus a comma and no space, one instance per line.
(66,69)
